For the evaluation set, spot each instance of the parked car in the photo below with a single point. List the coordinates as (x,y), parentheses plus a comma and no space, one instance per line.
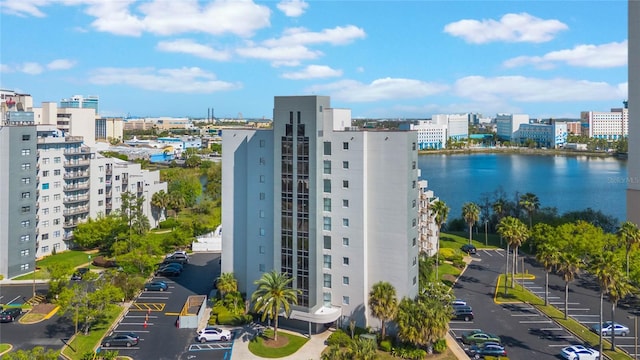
(121,339)
(156,286)
(169,272)
(458,302)
(476,337)
(579,352)
(10,314)
(487,349)
(462,313)
(213,334)
(79,273)
(468,248)
(176,267)
(608,327)
(179,257)
(173,265)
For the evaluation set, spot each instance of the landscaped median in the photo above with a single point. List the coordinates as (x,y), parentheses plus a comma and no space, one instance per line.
(81,344)
(519,294)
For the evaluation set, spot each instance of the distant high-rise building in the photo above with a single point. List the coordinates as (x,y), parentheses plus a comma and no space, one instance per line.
(507,126)
(611,125)
(80,102)
(633,163)
(314,198)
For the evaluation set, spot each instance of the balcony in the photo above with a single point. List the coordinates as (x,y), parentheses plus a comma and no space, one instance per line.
(76,211)
(70,224)
(74,187)
(76,199)
(108,205)
(77,150)
(68,236)
(76,175)
(125,180)
(109,170)
(76,163)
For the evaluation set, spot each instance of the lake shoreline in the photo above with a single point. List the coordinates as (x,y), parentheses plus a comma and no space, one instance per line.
(524,151)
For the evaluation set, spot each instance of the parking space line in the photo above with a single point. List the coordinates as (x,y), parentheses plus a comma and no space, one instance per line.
(535,322)
(583,315)
(562,303)
(138,331)
(142,323)
(147,306)
(141,316)
(579,309)
(536,315)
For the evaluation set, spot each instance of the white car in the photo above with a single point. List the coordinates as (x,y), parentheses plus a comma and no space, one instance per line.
(580,352)
(213,334)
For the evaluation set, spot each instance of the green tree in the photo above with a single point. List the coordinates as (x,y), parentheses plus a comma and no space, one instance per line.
(59,273)
(423,321)
(440,211)
(603,266)
(176,202)
(193,161)
(86,302)
(188,186)
(100,232)
(515,232)
(383,303)
(568,266)
(617,290)
(274,294)
(530,203)
(547,256)
(227,283)
(471,214)
(37,353)
(160,201)
(629,235)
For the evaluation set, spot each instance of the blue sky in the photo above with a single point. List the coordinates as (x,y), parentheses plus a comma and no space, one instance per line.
(382,59)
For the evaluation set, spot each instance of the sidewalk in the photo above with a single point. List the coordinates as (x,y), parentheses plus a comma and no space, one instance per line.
(310,351)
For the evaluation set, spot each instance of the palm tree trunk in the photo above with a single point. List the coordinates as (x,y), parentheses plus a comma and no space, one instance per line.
(566,300)
(275,328)
(514,261)
(613,331)
(627,263)
(470,229)
(382,326)
(600,348)
(546,288)
(506,271)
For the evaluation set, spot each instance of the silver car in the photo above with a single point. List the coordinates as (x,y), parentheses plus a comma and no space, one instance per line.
(610,327)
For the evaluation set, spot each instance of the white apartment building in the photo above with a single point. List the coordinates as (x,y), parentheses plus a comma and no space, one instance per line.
(430,135)
(633,163)
(612,125)
(457,125)
(507,126)
(333,206)
(428,232)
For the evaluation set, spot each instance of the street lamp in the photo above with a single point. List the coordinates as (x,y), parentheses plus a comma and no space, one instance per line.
(635,336)
(486,238)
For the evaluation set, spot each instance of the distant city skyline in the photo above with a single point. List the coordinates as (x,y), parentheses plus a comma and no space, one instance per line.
(381,59)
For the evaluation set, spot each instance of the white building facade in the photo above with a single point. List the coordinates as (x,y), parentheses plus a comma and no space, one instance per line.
(313,198)
(633,164)
(612,125)
(430,135)
(551,136)
(507,126)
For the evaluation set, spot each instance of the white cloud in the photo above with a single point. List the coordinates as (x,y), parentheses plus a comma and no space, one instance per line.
(340,35)
(282,55)
(526,89)
(510,28)
(293,8)
(31,68)
(380,89)
(4,68)
(61,64)
(23,7)
(182,80)
(188,46)
(592,56)
(313,72)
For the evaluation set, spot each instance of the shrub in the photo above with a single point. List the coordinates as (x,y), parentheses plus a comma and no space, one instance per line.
(440,346)
(101,261)
(170,223)
(459,263)
(235,320)
(339,338)
(447,253)
(385,345)
(213,319)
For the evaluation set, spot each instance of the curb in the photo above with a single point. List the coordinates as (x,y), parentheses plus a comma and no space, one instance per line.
(51,313)
(8,350)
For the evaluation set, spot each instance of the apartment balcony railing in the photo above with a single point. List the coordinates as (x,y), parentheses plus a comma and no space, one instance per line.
(75,199)
(77,139)
(108,205)
(125,180)
(76,175)
(75,163)
(73,187)
(70,224)
(76,210)
(68,237)
(109,171)
(77,150)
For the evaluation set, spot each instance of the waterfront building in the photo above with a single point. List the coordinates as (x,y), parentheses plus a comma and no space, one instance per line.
(507,126)
(574,127)
(457,125)
(551,136)
(430,135)
(312,198)
(612,125)
(81,102)
(633,179)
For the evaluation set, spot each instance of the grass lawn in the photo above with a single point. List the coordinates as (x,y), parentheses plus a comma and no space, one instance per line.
(4,347)
(447,355)
(455,240)
(73,257)
(520,294)
(86,343)
(260,345)
(41,274)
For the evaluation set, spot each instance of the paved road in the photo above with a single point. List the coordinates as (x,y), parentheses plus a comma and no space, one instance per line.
(526,333)
(27,336)
(160,338)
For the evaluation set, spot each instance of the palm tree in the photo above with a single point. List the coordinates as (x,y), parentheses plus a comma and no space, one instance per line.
(227,283)
(441,212)
(547,256)
(515,232)
(603,266)
(568,266)
(363,349)
(499,208)
(160,200)
(618,289)
(274,294)
(629,235)
(176,202)
(530,203)
(471,214)
(383,303)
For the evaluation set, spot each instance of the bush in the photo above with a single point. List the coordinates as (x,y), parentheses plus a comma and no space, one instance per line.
(213,319)
(459,263)
(447,253)
(339,338)
(170,223)
(235,320)
(101,261)
(385,345)
(440,346)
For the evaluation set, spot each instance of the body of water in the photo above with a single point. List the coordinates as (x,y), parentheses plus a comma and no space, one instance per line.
(567,183)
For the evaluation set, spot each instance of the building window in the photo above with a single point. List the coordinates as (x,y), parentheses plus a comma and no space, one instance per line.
(45,198)
(262,232)
(262,196)
(414,261)
(345,300)
(45,249)
(25,238)
(413,165)
(261,249)
(262,143)
(345,184)
(45,223)
(327,185)
(56,196)
(345,241)
(261,213)
(56,160)
(24,252)
(261,267)
(56,209)
(327,242)
(100,191)
(56,172)
(100,179)
(414,280)
(413,222)
(345,280)
(45,173)
(26,137)
(57,184)
(345,203)
(345,145)
(326,299)
(345,222)
(413,204)
(45,161)
(56,234)
(326,223)
(327,167)
(413,146)
(56,221)
(26,195)
(327,281)
(26,166)
(345,164)
(24,267)
(262,178)
(326,261)
(117,177)
(345,261)
(26,180)
(100,202)
(26,152)
(45,211)
(45,186)
(25,209)
(25,223)
(413,184)
(45,236)
(327,204)
(327,148)
(414,241)
(56,246)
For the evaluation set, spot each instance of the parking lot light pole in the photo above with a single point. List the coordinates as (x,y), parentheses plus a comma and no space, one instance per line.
(635,336)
